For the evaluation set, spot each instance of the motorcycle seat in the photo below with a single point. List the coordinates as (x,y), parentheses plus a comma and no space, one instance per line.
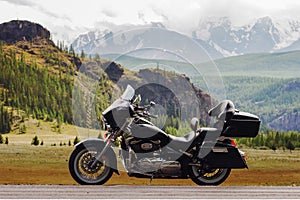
(182,142)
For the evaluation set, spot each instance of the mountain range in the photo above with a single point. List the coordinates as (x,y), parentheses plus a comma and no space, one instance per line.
(266,84)
(214,37)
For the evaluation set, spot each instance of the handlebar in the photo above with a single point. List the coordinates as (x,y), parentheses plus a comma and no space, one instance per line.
(146,114)
(142,111)
(153,116)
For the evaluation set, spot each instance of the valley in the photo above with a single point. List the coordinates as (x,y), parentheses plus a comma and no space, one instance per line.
(264,84)
(51,98)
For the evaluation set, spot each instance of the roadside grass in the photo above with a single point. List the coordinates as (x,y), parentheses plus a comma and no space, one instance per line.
(26,164)
(268,168)
(22,163)
(48,133)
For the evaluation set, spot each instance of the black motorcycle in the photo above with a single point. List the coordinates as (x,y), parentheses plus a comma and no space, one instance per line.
(206,155)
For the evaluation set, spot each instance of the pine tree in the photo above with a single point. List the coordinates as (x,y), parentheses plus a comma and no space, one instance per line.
(5,121)
(71,50)
(290,146)
(76,140)
(35,141)
(82,56)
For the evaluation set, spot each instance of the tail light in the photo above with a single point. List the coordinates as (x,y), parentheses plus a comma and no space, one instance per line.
(233,143)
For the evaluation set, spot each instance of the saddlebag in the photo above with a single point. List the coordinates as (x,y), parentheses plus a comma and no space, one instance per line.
(225,156)
(241,124)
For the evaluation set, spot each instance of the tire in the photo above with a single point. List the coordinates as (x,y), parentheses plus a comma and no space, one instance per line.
(211,177)
(81,170)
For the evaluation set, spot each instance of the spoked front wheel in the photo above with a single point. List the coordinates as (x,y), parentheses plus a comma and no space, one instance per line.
(86,170)
(209,176)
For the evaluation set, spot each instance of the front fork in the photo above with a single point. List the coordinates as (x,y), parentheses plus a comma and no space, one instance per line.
(108,142)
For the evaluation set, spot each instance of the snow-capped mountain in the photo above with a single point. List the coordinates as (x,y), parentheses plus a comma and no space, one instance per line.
(217,37)
(152,42)
(263,35)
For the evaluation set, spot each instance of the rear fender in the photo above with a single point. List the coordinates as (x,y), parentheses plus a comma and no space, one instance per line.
(99,145)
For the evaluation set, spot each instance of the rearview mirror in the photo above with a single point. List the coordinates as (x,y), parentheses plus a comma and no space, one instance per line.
(152,103)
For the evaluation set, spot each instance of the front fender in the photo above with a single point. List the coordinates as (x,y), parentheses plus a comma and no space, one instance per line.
(99,145)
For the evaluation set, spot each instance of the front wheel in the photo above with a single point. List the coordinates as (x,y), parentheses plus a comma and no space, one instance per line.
(83,170)
(209,176)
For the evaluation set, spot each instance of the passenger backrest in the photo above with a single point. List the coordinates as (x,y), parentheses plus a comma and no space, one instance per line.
(224,110)
(194,124)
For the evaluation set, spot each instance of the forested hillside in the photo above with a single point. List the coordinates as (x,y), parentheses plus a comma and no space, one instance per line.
(275,100)
(43,90)
(37,81)
(36,76)
(265,84)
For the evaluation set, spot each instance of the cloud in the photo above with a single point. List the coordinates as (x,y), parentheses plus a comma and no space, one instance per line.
(49,13)
(19,2)
(109,13)
(180,15)
(160,13)
(243,12)
(34,5)
(141,16)
(186,15)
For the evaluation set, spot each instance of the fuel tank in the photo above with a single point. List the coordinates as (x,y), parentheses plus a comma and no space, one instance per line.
(149,132)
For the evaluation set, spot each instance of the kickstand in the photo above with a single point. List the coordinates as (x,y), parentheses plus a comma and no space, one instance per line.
(151,178)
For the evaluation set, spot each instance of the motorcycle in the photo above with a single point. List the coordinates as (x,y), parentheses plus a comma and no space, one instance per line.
(205,155)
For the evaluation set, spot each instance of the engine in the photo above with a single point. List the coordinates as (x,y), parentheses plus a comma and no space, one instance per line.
(147,165)
(146,157)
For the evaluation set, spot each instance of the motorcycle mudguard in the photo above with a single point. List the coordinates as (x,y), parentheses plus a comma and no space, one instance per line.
(99,144)
(225,156)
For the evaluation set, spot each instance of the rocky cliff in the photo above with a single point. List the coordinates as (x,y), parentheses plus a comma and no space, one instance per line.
(19,30)
(33,41)
(286,122)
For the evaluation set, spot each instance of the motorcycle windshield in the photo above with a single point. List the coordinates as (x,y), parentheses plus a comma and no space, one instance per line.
(128,93)
(123,101)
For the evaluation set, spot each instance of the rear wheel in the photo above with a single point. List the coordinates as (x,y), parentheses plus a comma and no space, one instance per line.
(209,176)
(85,170)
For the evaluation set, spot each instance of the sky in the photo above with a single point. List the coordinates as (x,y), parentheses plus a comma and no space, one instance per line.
(66,19)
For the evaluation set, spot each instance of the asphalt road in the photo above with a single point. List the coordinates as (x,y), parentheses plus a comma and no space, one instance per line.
(145,192)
